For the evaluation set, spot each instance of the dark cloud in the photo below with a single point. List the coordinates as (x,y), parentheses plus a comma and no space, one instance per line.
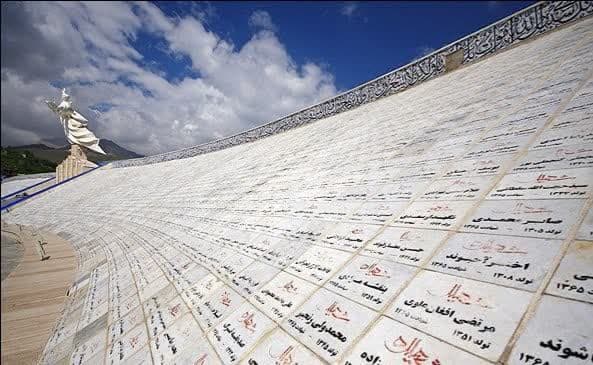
(25,49)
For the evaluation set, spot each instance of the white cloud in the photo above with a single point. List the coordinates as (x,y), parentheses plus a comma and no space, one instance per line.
(89,47)
(349,8)
(262,19)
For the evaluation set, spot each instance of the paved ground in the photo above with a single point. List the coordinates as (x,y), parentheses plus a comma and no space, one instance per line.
(33,295)
(12,254)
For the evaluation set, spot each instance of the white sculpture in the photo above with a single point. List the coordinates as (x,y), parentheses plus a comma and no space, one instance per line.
(74,124)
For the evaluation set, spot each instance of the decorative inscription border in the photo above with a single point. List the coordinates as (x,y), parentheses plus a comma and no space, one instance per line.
(527,23)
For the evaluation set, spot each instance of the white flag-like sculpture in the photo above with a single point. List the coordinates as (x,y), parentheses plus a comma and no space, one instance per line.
(74,124)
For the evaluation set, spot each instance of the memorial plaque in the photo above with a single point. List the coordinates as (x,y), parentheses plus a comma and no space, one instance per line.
(406,245)
(95,304)
(560,158)
(491,149)
(477,167)
(201,291)
(574,277)
(233,265)
(217,306)
(390,342)
(280,348)
(472,315)
(122,349)
(282,295)
(124,324)
(369,281)
(426,172)
(377,212)
(560,332)
(403,190)
(434,215)
(470,188)
(188,276)
(510,261)
(91,346)
(153,288)
(253,277)
(318,264)
(529,218)
(556,184)
(586,229)
(161,313)
(348,236)
(236,335)
(284,252)
(328,323)
(578,134)
(183,343)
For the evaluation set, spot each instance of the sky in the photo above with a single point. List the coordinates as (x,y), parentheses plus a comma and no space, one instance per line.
(160,76)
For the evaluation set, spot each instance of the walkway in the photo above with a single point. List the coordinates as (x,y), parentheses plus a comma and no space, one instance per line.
(33,296)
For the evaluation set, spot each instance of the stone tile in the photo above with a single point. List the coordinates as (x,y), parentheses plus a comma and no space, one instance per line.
(253,277)
(559,158)
(574,277)
(560,332)
(390,342)
(403,190)
(467,188)
(183,343)
(433,215)
(280,348)
(369,281)
(477,167)
(472,315)
(122,349)
(517,262)
(282,295)
(217,306)
(201,290)
(586,229)
(406,245)
(328,323)
(527,218)
(348,237)
(555,184)
(318,264)
(579,134)
(236,335)
(284,252)
(125,323)
(377,212)
(160,314)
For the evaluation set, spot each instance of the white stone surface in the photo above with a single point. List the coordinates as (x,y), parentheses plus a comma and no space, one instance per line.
(475,316)
(369,281)
(390,342)
(574,277)
(528,218)
(328,323)
(405,245)
(517,262)
(560,332)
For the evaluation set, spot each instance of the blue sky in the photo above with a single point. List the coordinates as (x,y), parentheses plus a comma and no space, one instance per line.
(357,41)
(156,77)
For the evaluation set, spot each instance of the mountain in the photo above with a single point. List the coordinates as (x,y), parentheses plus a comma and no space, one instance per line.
(57,155)
(112,148)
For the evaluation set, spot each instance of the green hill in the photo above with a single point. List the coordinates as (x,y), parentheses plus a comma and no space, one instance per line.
(16,162)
